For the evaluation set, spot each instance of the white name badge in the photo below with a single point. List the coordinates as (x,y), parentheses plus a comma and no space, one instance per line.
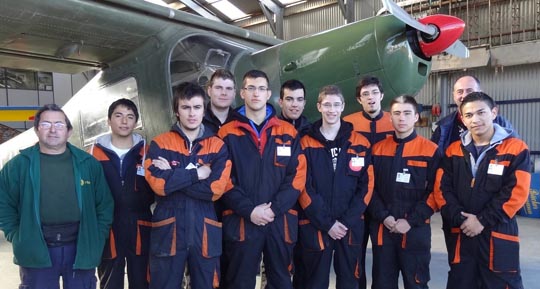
(283,151)
(191,166)
(403,178)
(140,170)
(495,169)
(357,162)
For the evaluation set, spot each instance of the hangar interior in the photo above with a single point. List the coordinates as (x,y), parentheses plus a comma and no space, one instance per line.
(503,37)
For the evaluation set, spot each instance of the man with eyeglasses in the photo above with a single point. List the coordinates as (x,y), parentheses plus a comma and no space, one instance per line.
(373,123)
(122,154)
(55,207)
(221,91)
(292,100)
(450,127)
(267,177)
(338,189)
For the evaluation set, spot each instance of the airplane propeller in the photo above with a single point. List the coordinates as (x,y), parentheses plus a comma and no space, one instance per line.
(438,32)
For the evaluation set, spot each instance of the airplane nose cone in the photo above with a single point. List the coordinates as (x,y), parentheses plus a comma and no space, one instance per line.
(449,30)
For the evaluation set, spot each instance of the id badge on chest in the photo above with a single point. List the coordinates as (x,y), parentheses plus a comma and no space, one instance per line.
(403,177)
(495,169)
(283,151)
(140,170)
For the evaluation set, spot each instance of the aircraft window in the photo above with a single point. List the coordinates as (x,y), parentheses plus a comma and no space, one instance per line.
(196,57)
(94,116)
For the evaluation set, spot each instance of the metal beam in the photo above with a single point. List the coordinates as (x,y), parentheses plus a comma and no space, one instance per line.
(347,9)
(200,10)
(274,15)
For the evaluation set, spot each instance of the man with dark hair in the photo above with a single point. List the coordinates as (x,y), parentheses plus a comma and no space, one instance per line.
(268,175)
(188,168)
(338,190)
(481,184)
(292,100)
(221,91)
(402,202)
(122,154)
(373,123)
(55,207)
(450,127)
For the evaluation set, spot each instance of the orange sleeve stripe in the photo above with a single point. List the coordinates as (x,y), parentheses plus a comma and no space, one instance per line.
(371,185)
(304,222)
(519,193)
(299,181)
(219,187)
(164,222)
(286,230)
(437,192)
(304,199)
(380,235)
(320,238)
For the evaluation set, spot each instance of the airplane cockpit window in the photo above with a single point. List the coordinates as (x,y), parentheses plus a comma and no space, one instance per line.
(196,57)
(94,115)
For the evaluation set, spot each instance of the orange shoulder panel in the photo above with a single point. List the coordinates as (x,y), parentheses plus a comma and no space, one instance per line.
(419,147)
(99,154)
(359,122)
(386,147)
(309,142)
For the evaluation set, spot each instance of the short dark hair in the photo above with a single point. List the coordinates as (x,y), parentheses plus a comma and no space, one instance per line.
(368,80)
(255,74)
(478,96)
(186,90)
(50,107)
(126,103)
(291,84)
(223,74)
(405,99)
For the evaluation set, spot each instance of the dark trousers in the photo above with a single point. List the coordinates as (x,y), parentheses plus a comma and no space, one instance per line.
(394,253)
(62,258)
(472,270)
(316,265)
(244,258)
(362,281)
(111,272)
(167,272)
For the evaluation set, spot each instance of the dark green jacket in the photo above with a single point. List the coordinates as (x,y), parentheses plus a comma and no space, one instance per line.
(19,209)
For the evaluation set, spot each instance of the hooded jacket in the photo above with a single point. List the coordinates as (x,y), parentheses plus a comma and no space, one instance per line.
(19,209)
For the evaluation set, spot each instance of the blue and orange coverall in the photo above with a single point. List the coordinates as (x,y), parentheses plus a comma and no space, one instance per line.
(185,226)
(404,177)
(493,185)
(332,195)
(129,238)
(267,168)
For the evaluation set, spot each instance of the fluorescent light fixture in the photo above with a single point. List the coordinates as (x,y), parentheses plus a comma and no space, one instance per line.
(228,9)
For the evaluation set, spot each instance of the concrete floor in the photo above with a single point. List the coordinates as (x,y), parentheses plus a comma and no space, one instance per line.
(530,257)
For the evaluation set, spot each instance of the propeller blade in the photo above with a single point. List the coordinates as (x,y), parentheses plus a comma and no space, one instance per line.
(458,49)
(402,15)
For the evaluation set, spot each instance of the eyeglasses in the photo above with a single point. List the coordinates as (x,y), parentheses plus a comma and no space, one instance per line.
(48,125)
(251,89)
(329,105)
